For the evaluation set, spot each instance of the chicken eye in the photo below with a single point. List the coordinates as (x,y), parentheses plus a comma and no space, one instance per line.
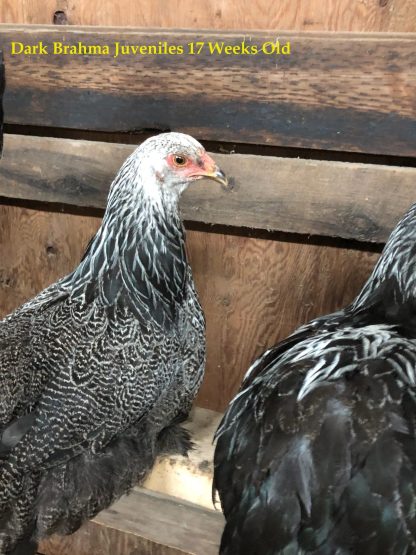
(179,160)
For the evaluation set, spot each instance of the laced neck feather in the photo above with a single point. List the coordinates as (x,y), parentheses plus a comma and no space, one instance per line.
(395,271)
(137,259)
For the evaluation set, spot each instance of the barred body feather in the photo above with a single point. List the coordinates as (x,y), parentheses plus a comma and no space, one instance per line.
(97,371)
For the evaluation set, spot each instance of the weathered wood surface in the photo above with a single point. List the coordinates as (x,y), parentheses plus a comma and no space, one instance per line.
(144,523)
(334,91)
(391,15)
(354,201)
(328,15)
(254,292)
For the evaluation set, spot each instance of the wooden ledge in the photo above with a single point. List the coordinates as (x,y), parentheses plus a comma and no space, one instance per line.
(145,523)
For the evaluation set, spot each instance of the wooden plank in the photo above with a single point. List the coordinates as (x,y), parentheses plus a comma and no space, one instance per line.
(342,15)
(334,91)
(328,15)
(354,201)
(146,523)
(254,292)
(36,249)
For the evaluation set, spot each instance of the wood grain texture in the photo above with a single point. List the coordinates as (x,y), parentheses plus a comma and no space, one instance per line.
(299,15)
(353,201)
(254,291)
(334,91)
(144,523)
(36,249)
(27,11)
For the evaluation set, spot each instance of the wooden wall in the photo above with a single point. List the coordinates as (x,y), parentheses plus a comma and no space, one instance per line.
(254,291)
(299,15)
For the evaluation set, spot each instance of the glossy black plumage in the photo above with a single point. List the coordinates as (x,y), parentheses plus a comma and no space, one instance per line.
(317,452)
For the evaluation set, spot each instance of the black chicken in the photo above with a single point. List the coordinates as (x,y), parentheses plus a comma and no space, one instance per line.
(98,369)
(317,452)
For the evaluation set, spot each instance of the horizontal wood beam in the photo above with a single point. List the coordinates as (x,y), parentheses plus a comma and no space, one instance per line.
(334,199)
(339,91)
(147,523)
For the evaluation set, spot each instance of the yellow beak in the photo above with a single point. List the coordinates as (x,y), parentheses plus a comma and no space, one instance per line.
(218,175)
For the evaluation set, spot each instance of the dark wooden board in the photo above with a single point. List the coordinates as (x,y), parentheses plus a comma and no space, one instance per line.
(336,91)
(353,201)
(144,523)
